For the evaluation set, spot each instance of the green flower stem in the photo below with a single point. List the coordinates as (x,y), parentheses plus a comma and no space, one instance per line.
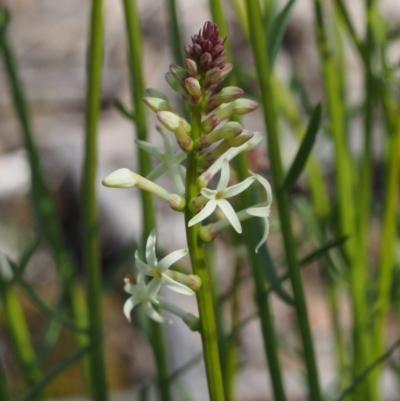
(257,36)
(347,217)
(388,240)
(176,36)
(204,295)
(41,198)
(132,24)
(91,248)
(17,329)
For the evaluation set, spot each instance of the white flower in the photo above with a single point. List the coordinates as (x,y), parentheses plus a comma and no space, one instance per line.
(217,197)
(169,161)
(145,294)
(262,210)
(158,270)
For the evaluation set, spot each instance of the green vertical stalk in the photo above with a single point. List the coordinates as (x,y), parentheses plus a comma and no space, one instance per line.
(262,301)
(91,247)
(388,239)
(347,218)
(134,40)
(3,386)
(18,332)
(257,36)
(204,295)
(41,199)
(176,37)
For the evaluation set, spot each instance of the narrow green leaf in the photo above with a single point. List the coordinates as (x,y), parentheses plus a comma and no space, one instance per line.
(124,110)
(321,252)
(74,357)
(305,149)
(40,303)
(275,34)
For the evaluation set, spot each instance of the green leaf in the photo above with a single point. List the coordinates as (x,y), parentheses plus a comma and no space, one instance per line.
(124,110)
(305,149)
(275,35)
(321,252)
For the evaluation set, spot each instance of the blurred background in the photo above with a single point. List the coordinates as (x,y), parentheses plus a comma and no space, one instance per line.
(50,41)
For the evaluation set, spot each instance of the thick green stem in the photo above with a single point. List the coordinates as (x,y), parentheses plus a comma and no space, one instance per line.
(134,40)
(89,211)
(204,295)
(257,36)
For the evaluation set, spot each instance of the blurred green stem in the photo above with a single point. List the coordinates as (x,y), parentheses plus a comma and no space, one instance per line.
(91,248)
(257,36)
(133,33)
(176,37)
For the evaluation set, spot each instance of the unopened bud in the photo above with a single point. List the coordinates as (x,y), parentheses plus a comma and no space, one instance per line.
(226,95)
(177,202)
(217,50)
(207,233)
(228,131)
(157,104)
(221,113)
(193,87)
(205,61)
(219,62)
(169,120)
(197,203)
(121,178)
(178,72)
(151,92)
(240,139)
(173,82)
(179,126)
(244,106)
(191,67)
(225,71)
(212,77)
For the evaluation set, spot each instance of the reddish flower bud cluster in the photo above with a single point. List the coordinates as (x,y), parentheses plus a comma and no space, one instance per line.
(207,49)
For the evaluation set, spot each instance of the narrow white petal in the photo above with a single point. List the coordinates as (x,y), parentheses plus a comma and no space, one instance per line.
(170,259)
(153,287)
(151,257)
(265,236)
(230,214)
(176,286)
(208,193)
(225,174)
(204,213)
(129,304)
(267,186)
(141,266)
(153,314)
(150,148)
(262,211)
(238,188)
(128,286)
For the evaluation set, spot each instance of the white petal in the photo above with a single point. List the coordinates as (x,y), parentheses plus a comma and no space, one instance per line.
(170,259)
(150,148)
(153,314)
(204,213)
(128,286)
(225,174)
(238,188)
(151,256)
(175,286)
(121,178)
(267,186)
(141,266)
(230,214)
(265,236)
(129,304)
(263,211)
(152,288)
(208,193)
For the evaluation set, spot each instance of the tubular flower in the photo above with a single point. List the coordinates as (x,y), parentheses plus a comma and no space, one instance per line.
(157,269)
(217,197)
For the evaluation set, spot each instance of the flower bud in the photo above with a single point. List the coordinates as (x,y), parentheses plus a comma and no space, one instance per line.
(178,72)
(223,112)
(121,178)
(193,87)
(217,51)
(177,202)
(187,49)
(219,62)
(151,92)
(212,77)
(244,106)
(197,203)
(169,120)
(207,233)
(179,126)
(191,67)
(205,61)
(228,131)
(225,71)
(226,95)
(173,82)
(157,104)
(240,139)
